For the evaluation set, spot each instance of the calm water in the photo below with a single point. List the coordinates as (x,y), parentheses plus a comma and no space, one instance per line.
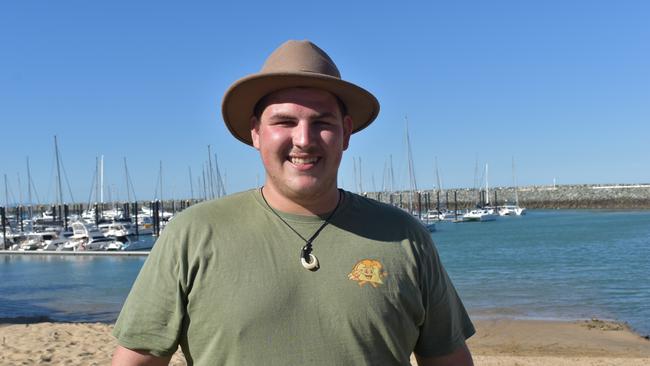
(547,265)
(553,265)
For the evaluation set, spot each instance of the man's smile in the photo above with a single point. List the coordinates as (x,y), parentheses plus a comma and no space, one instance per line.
(303,161)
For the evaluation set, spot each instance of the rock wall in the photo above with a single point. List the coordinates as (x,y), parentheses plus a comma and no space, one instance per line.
(612,196)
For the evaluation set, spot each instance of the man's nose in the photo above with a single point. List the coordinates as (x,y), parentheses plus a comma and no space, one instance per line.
(303,134)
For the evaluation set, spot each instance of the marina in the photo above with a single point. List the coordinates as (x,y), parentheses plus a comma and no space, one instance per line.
(551,264)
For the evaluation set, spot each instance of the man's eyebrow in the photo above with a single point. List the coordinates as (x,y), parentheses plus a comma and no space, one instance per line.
(284,117)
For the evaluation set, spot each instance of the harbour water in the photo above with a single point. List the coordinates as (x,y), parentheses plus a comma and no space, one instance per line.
(555,264)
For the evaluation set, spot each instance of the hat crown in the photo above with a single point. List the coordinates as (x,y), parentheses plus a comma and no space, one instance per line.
(300,56)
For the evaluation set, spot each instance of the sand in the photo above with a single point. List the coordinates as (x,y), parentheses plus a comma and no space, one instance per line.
(497,342)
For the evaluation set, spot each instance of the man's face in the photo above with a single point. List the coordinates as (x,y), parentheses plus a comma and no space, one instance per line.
(301,136)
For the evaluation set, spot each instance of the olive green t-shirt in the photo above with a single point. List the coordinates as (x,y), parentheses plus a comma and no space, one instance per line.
(225,282)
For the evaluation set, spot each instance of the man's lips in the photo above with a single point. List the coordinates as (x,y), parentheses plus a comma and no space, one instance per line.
(302,160)
(303,163)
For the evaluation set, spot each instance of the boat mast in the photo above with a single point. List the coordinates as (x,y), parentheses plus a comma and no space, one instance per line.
(210,173)
(205,190)
(412,182)
(438,181)
(29,192)
(58,172)
(514,180)
(161,183)
(6,193)
(487,192)
(392,175)
(101,180)
(96,180)
(126,177)
(20,191)
(219,180)
(191,184)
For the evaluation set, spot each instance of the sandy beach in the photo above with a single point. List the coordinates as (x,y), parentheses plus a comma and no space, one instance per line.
(497,342)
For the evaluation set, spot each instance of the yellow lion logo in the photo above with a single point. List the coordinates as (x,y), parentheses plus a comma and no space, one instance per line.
(368,271)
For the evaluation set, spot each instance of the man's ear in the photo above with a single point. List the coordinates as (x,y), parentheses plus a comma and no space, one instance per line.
(347,131)
(255,132)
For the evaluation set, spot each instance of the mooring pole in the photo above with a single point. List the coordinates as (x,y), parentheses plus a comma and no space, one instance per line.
(20,217)
(4,228)
(135,211)
(66,212)
(156,214)
(455,206)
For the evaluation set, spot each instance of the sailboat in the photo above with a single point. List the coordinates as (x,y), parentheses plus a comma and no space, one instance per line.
(430,226)
(485,212)
(513,210)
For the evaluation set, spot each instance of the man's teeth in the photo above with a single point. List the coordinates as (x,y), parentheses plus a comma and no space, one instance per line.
(303,160)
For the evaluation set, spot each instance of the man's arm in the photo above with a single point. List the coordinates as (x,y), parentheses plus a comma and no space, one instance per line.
(460,357)
(128,357)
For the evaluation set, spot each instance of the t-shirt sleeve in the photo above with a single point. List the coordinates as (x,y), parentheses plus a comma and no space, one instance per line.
(152,316)
(446,325)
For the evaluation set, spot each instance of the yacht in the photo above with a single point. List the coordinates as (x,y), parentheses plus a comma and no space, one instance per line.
(89,238)
(480,214)
(511,210)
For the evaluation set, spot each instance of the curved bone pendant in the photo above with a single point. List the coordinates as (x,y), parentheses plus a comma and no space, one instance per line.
(312,265)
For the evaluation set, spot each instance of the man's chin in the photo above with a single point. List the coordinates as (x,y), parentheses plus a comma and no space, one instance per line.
(312,189)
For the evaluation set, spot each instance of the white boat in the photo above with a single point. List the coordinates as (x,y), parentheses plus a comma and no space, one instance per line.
(102,243)
(511,210)
(480,214)
(434,215)
(38,240)
(54,244)
(137,245)
(120,229)
(486,212)
(89,238)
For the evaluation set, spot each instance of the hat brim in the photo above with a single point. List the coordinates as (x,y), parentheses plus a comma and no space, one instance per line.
(241,98)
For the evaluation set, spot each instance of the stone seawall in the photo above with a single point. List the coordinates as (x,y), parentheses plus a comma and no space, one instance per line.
(611,196)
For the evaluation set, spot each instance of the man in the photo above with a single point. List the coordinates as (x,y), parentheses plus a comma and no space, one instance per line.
(298,271)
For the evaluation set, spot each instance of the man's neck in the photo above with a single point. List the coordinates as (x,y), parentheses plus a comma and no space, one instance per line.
(307,206)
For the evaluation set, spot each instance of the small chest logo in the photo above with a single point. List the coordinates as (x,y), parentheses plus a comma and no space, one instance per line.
(368,271)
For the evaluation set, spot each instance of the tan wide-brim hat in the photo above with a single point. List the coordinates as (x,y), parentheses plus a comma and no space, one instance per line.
(294,64)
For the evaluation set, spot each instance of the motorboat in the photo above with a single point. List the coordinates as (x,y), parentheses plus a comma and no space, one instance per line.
(86,237)
(480,214)
(435,215)
(119,229)
(511,210)
(137,245)
(37,240)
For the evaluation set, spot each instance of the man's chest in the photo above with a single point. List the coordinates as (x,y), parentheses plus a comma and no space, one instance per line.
(263,286)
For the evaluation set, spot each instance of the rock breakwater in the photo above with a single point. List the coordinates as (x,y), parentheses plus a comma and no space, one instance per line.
(585,196)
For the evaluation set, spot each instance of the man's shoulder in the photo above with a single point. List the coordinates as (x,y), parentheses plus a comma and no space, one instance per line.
(382,214)
(217,209)
(376,207)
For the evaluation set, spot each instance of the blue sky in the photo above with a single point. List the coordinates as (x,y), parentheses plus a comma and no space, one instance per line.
(563,87)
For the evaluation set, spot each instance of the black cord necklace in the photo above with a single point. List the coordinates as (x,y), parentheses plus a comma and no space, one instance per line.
(307,259)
